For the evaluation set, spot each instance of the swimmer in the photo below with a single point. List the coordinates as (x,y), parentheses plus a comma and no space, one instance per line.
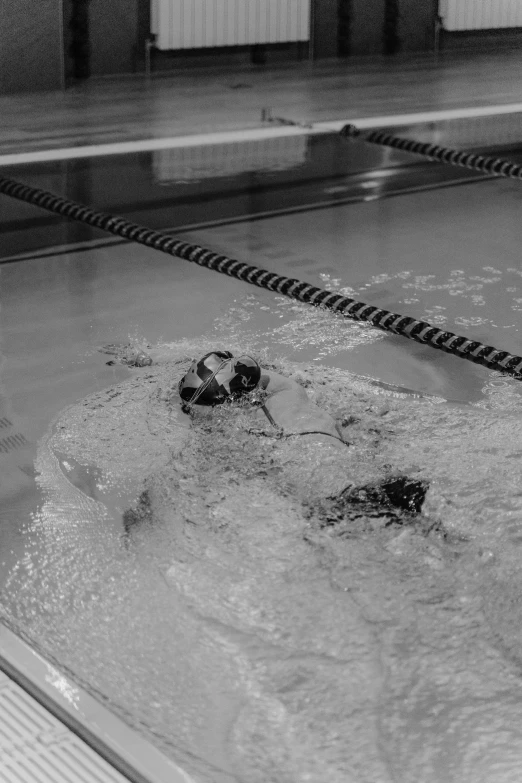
(219,376)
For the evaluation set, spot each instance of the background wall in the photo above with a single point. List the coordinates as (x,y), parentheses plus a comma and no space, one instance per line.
(325,28)
(114,36)
(417,24)
(367,27)
(117,30)
(31,56)
(36,38)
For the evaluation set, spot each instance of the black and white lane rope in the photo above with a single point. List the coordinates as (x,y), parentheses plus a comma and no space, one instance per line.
(469,160)
(404,325)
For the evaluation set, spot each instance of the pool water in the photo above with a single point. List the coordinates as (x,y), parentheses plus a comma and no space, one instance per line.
(236,623)
(248,631)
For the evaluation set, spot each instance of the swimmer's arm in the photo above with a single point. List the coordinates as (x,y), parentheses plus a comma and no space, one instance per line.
(273,383)
(291,408)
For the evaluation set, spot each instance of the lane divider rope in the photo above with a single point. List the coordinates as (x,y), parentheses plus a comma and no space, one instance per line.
(406,326)
(469,160)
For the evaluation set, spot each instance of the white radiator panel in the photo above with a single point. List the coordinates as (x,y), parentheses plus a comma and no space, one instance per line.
(194,24)
(480,14)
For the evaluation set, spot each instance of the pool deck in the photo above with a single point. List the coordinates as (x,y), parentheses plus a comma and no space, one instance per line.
(36,701)
(196,101)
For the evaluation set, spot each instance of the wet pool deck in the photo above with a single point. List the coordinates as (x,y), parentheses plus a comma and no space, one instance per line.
(116,110)
(32,740)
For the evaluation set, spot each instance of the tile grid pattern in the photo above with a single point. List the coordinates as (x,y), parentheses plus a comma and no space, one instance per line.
(36,748)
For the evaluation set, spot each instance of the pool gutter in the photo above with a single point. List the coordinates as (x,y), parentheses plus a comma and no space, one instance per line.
(276,128)
(122,747)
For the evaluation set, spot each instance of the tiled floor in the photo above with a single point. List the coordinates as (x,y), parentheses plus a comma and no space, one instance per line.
(36,748)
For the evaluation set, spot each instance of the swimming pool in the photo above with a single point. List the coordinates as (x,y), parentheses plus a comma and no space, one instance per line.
(217,643)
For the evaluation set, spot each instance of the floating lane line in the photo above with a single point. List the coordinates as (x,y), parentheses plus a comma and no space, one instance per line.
(272,131)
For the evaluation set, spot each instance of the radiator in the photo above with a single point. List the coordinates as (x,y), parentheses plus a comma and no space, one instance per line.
(480,14)
(194,24)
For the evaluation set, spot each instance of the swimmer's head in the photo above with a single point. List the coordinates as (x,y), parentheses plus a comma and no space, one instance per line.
(218,376)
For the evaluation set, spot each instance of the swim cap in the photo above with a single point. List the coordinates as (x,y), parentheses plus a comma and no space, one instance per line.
(219,375)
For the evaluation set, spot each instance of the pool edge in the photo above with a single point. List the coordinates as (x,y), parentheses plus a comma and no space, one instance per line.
(122,747)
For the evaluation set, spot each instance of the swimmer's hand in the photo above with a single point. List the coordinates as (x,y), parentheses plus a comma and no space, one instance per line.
(291,409)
